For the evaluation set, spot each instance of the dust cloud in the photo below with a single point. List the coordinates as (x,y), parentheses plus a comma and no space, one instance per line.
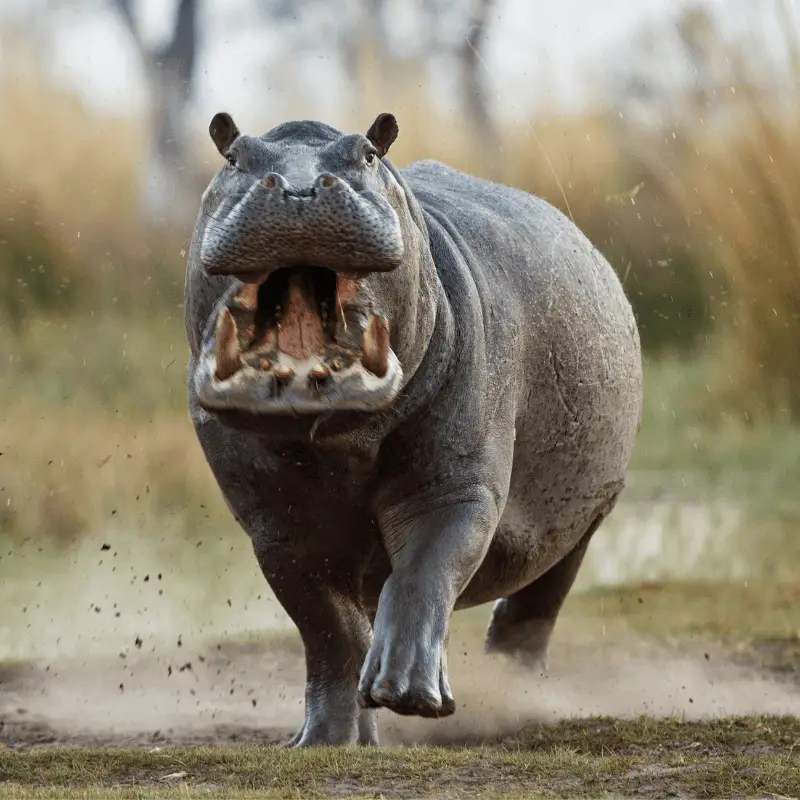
(131,640)
(105,592)
(177,691)
(496,697)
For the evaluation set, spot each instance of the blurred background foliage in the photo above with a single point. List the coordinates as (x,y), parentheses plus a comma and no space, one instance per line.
(682,168)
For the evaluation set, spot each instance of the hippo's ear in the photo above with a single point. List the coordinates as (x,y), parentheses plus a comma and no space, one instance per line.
(223,131)
(383,132)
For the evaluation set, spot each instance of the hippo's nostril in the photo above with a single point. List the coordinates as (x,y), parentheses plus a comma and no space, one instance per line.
(327,181)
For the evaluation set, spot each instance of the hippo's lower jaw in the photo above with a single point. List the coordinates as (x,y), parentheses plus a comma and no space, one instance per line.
(297,342)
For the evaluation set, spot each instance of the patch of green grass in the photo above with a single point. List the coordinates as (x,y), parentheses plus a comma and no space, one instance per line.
(558,763)
(675,611)
(753,623)
(692,446)
(611,736)
(106,364)
(181,791)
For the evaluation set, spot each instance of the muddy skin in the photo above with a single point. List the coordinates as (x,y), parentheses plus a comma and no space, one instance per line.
(417,390)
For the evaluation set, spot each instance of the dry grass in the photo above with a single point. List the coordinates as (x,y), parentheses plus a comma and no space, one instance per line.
(661,760)
(71,232)
(731,170)
(95,429)
(85,189)
(113,474)
(64,484)
(737,612)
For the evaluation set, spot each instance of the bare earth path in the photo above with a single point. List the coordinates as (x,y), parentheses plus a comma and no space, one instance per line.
(683,707)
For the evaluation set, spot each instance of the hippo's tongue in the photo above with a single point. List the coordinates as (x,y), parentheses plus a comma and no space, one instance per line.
(300,332)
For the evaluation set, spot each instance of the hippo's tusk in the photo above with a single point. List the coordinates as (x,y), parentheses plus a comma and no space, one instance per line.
(376,346)
(319,372)
(228,362)
(283,373)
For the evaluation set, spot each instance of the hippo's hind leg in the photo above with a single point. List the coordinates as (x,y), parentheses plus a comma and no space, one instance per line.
(321,597)
(523,623)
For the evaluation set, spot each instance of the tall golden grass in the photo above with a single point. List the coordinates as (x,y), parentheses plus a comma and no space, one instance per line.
(69,171)
(70,222)
(749,192)
(734,174)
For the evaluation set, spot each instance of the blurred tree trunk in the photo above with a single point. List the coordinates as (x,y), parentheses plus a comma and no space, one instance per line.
(373,59)
(169,73)
(460,31)
(486,141)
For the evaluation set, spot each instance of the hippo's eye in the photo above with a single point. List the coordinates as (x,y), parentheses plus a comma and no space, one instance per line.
(370,157)
(231,159)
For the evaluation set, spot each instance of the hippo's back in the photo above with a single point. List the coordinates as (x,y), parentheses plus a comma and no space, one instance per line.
(553,309)
(518,244)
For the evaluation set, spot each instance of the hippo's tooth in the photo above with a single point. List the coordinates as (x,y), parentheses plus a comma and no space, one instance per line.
(228,362)
(283,373)
(247,297)
(319,372)
(376,346)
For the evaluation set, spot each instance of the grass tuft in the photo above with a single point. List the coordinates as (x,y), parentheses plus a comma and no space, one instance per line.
(658,758)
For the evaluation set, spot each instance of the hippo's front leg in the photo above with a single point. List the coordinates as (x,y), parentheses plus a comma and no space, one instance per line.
(434,553)
(321,597)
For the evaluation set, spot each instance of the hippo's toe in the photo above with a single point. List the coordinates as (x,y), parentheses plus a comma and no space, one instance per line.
(422,703)
(406,685)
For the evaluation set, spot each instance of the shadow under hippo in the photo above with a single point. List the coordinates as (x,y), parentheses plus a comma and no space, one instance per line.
(418,391)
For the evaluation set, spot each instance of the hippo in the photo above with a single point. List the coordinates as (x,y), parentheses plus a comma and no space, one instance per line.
(418,391)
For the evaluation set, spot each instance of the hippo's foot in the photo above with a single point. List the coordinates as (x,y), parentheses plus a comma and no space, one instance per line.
(406,667)
(326,731)
(336,634)
(409,678)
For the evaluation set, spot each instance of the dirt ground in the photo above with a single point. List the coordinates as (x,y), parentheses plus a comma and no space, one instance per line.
(619,712)
(251,692)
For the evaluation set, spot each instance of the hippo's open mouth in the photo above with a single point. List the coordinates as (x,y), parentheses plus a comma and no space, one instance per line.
(301,340)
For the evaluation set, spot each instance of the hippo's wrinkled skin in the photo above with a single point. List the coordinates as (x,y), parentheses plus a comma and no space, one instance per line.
(443,421)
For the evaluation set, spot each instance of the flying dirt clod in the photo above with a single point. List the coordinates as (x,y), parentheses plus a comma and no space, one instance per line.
(432,402)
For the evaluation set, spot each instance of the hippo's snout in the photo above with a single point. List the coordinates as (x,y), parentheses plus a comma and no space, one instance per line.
(291,221)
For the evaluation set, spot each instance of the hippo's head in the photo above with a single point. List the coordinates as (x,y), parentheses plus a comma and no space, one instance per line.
(306,253)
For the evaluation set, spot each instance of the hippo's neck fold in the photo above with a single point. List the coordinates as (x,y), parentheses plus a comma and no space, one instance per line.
(413,287)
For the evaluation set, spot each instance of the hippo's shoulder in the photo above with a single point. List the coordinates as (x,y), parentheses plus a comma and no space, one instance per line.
(430,168)
(444,189)
(434,176)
